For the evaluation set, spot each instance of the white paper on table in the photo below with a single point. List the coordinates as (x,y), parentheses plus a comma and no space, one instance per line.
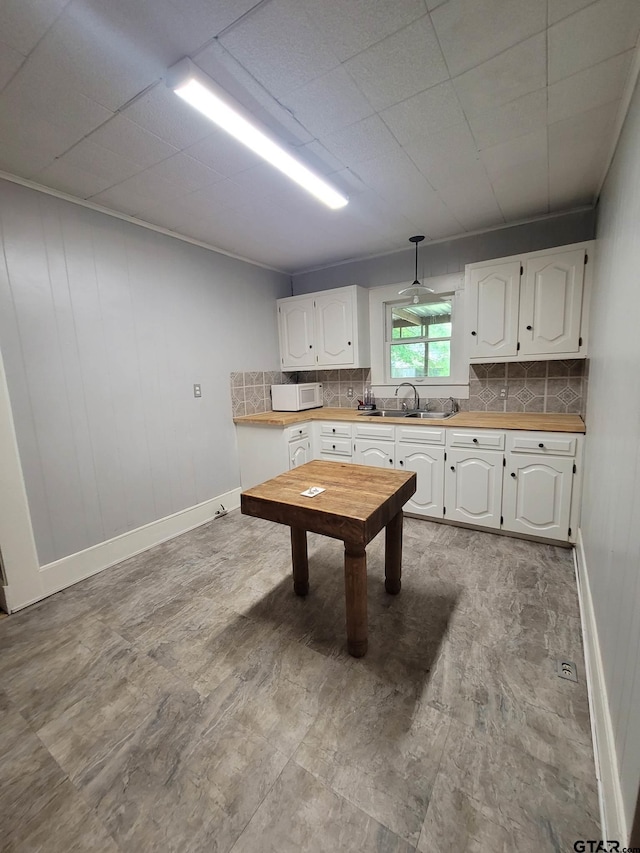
(312,492)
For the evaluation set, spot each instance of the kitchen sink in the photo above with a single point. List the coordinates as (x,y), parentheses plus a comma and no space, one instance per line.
(430,415)
(384,413)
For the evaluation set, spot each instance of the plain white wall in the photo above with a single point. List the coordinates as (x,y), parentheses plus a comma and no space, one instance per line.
(104,328)
(611,504)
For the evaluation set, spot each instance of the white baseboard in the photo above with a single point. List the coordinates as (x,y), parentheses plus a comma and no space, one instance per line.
(612,815)
(83,564)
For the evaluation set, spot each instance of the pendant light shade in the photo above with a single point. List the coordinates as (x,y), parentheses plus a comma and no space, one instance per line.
(416,291)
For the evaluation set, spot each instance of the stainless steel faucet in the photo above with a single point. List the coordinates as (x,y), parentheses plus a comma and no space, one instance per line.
(454,406)
(416,402)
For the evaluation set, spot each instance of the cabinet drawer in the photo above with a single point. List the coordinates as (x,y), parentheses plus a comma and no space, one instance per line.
(477,438)
(337,446)
(370,430)
(336,429)
(297,431)
(421,435)
(544,443)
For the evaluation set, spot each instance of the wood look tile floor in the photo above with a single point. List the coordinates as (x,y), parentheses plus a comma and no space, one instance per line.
(186,700)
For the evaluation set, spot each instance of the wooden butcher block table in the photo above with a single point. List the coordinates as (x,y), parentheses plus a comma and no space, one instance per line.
(357,503)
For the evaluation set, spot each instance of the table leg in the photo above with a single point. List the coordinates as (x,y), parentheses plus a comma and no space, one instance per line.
(355,584)
(300,561)
(393,555)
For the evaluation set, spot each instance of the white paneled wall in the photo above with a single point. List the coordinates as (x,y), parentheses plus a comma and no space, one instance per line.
(611,509)
(104,328)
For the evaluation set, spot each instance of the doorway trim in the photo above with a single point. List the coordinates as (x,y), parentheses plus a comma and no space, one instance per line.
(22,584)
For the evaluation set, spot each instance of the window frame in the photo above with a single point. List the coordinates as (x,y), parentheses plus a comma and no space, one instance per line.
(390,341)
(445,286)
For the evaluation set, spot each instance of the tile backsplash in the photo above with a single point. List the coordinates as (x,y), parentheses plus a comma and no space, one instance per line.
(533,386)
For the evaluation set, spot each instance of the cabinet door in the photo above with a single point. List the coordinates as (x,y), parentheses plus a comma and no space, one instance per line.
(334,328)
(493,311)
(551,304)
(295,328)
(376,453)
(299,452)
(428,464)
(473,487)
(537,495)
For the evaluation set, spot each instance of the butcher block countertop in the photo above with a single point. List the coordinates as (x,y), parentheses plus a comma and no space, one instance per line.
(478,420)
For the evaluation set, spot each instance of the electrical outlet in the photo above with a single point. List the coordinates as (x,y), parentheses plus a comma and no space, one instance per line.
(567,669)
(349,392)
(504,391)
(197,391)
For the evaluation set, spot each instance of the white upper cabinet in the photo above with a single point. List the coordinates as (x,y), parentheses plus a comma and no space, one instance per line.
(529,307)
(551,304)
(494,293)
(325,329)
(295,325)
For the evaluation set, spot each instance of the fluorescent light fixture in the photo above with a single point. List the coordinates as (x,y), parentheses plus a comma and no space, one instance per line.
(204,95)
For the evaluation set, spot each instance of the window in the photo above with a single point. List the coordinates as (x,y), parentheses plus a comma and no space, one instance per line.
(418,339)
(424,342)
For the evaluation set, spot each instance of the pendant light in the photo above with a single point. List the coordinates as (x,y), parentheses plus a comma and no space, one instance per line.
(417,290)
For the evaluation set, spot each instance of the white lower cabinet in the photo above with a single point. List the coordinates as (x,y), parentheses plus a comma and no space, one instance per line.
(473,486)
(428,464)
(299,452)
(517,481)
(539,479)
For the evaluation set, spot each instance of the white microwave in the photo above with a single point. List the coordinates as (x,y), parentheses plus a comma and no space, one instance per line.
(295,398)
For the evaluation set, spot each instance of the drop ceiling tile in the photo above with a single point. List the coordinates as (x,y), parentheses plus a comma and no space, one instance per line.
(328,103)
(319,158)
(211,19)
(597,32)
(361,141)
(92,158)
(470,199)
(222,153)
(54,99)
(24,22)
(437,107)
(517,118)
(163,113)
(590,88)
(578,148)
(21,125)
(400,66)
(101,61)
(472,31)
(511,158)
(440,154)
(278,44)
(184,171)
(516,72)
(62,176)
(559,9)
(10,61)
(129,140)
(526,198)
(351,26)
(24,160)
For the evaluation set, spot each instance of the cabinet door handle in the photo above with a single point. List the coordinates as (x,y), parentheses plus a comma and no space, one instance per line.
(529,328)
(452,468)
(333,430)
(401,462)
(541,444)
(474,333)
(513,475)
(348,343)
(310,346)
(333,446)
(391,462)
(475,440)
